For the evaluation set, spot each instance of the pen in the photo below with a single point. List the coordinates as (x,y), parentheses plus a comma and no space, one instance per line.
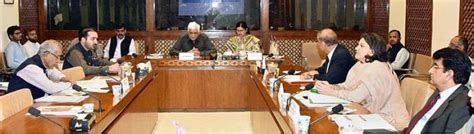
(362,118)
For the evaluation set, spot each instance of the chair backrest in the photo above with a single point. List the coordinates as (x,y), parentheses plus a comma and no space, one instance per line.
(3,62)
(312,54)
(415,93)
(75,73)
(422,64)
(14,102)
(411,60)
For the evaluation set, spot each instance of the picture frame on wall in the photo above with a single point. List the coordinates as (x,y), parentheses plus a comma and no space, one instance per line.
(8,2)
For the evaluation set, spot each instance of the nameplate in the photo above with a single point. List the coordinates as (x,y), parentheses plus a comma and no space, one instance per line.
(254,56)
(186,56)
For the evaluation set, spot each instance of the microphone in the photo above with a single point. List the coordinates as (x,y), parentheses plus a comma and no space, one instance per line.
(79,89)
(270,55)
(120,82)
(291,72)
(334,110)
(288,101)
(37,113)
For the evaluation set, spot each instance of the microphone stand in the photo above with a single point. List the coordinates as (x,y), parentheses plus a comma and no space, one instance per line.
(35,112)
(79,89)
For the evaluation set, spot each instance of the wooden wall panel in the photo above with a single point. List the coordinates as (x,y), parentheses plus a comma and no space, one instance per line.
(466,22)
(379,17)
(419,16)
(29,14)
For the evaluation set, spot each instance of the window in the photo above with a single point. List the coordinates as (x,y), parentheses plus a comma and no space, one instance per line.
(212,15)
(75,14)
(318,14)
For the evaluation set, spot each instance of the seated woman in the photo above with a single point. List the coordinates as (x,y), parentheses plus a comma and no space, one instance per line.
(243,41)
(371,84)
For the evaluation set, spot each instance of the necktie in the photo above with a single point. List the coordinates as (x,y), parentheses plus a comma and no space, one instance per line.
(420,114)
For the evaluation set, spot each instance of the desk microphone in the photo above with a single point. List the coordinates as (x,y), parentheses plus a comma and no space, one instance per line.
(291,72)
(270,55)
(120,82)
(334,110)
(37,113)
(79,89)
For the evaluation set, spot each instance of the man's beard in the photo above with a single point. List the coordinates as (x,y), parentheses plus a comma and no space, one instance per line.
(33,40)
(121,36)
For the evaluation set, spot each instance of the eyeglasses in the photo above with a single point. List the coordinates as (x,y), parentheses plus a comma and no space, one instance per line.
(55,56)
(436,67)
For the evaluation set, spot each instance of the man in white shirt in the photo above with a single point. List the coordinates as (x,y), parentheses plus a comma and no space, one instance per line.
(119,45)
(32,45)
(447,109)
(39,73)
(397,54)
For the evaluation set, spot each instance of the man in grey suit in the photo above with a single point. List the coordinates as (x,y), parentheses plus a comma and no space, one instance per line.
(447,109)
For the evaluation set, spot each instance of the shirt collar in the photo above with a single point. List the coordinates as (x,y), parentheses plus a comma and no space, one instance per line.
(331,52)
(446,93)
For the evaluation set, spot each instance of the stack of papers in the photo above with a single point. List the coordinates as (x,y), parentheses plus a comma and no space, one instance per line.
(60,110)
(61,99)
(310,99)
(365,121)
(296,79)
(94,85)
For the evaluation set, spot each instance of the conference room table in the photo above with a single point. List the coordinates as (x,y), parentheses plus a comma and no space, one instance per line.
(184,86)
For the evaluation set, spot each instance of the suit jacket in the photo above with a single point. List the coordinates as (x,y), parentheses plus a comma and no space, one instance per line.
(451,115)
(341,62)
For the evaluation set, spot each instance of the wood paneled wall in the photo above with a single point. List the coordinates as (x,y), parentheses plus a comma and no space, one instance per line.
(29,14)
(466,22)
(419,17)
(379,17)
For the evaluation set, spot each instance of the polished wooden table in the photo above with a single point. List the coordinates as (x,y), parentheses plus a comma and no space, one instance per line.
(173,85)
(135,101)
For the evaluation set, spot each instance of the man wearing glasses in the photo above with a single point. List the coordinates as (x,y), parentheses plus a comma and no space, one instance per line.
(446,110)
(39,73)
(14,52)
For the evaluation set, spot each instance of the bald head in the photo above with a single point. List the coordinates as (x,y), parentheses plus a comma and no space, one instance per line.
(327,36)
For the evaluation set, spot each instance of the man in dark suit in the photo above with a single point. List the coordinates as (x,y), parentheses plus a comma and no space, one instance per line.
(447,109)
(338,61)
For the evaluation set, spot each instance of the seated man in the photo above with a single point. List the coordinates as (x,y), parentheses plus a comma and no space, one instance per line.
(119,45)
(338,61)
(193,41)
(81,55)
(460,43)
(32,45)
(397,54)
(14,52)
(39,73)
(446,110)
